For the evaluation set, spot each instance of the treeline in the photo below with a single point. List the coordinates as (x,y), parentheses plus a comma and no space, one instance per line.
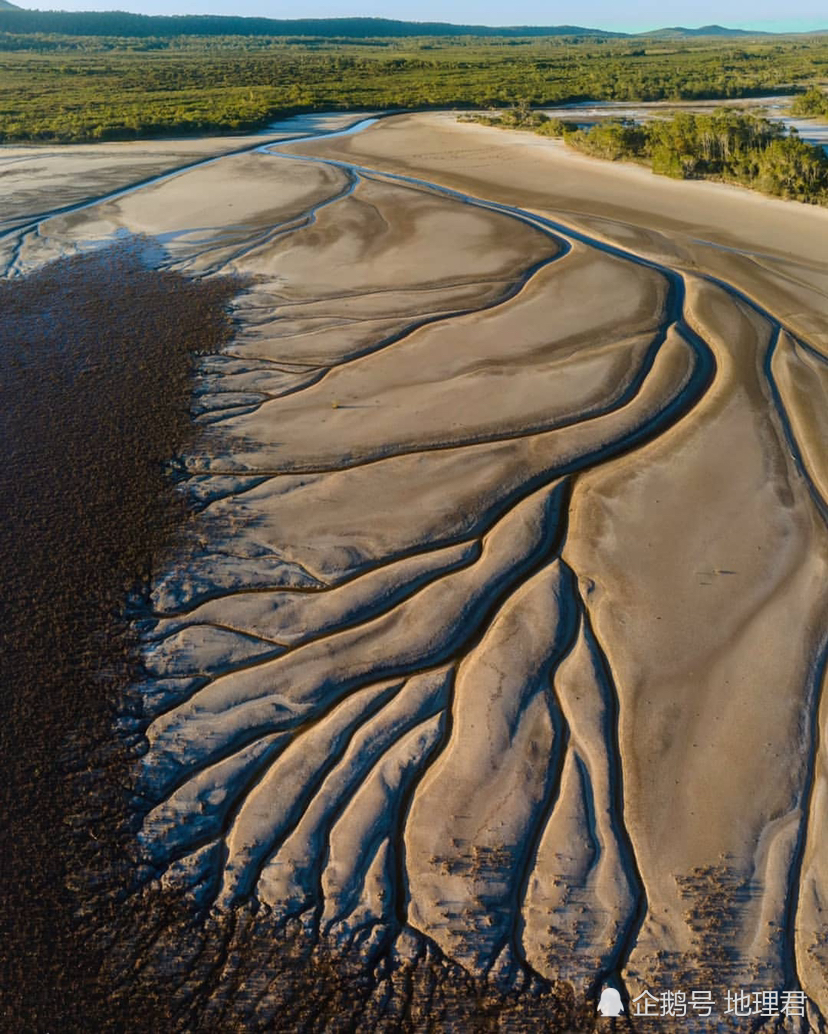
(812,103)
(106,88)
(121,23)
(724,145)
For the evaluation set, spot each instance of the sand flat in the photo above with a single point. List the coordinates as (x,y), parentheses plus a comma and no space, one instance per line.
(506,587)
(722,229)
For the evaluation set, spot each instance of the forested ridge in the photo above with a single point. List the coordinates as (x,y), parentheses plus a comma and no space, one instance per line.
(123,23)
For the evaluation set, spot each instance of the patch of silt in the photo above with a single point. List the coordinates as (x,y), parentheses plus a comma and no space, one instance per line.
(96,363)
(243,971)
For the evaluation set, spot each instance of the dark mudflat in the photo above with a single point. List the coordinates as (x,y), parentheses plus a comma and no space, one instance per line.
(95,371)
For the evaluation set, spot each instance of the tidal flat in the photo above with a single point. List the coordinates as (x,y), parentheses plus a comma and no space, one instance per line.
(486,667)
(95,367)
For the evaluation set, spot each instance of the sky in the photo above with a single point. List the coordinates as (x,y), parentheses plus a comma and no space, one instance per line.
(635,16)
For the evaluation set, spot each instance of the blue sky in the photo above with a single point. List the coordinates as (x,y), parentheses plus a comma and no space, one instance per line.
(605,14)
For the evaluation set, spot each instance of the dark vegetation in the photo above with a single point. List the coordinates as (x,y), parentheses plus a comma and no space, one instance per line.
(811,103)
(63,88)
(122,23)
(724,145)
(95,364)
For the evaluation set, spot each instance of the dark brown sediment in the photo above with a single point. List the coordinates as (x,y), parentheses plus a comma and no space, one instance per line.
(245,972)
(96,356)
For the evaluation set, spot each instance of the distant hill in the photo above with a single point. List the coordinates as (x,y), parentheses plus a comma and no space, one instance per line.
(678,32)
(121,23)
(6,6)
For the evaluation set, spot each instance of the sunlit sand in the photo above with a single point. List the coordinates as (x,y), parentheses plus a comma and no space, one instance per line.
(500,629)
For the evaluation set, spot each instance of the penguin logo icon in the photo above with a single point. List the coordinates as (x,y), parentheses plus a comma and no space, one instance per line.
(610,1003)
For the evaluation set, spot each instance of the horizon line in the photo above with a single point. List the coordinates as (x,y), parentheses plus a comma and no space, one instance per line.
(750,28)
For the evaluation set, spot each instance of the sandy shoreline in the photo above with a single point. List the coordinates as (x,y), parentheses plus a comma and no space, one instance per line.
(38,178)
(501,632)
(685,223)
